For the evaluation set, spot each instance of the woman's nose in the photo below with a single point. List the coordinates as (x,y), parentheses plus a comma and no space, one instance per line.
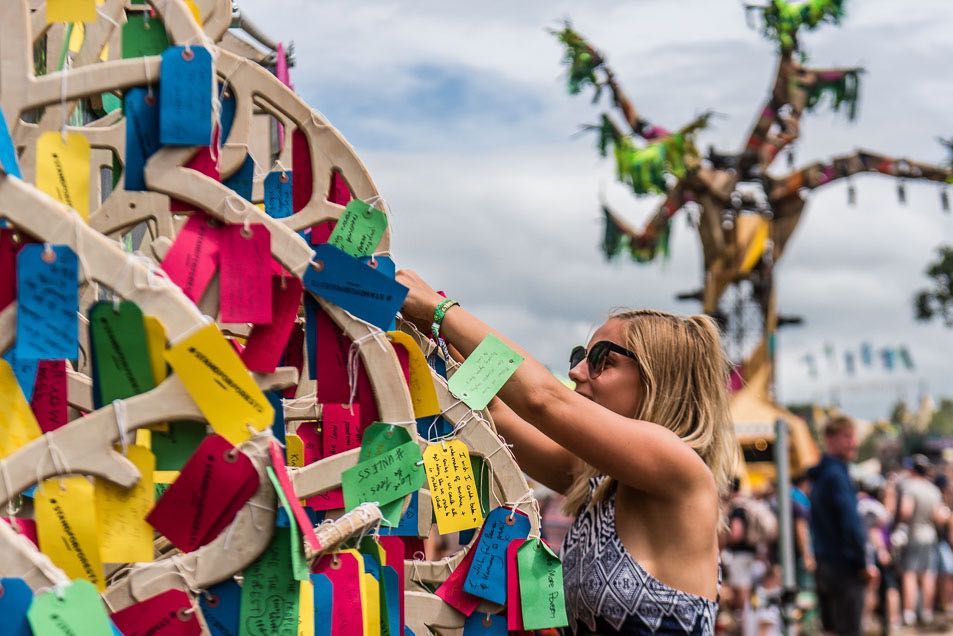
(579,372)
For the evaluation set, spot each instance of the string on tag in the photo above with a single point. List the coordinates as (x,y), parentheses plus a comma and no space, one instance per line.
(527,497)
(150,96)
(119,407)
(67,64)
(12,509)
(57,458)
(105,17)
(353,360)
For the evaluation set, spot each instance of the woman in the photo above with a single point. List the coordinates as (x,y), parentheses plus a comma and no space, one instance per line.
(642,449)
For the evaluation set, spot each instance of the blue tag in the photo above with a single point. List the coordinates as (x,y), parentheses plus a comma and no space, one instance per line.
(227,115)
(323,600)
(408,631)
(281,518)
(24,370)
(433,427)
(220,607)
(438,364)
(482,624)
(487,575)
(15,599)
(185,96)
(29,492)
(386,266)
(47,303)
(407,527)
(8,152)
(241,181)
(278,424)
(142,135)
(354,287)
(391,586)
(115,629)
(311,308)
(278,194)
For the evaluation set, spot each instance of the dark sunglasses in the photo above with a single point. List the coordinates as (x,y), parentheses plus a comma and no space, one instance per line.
(596,356)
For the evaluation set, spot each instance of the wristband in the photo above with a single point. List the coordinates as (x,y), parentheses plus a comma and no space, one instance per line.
(439,314)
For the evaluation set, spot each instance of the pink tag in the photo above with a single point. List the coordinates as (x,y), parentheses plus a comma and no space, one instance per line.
(330,500)
(213,485)
(302,183)
(294,356)
(267,342)
(340,428)
(49,395)
(304,523)
(193,257)
(8,265)
(281,72)
(311,438)
(343,570)
(340,191)
(201,162)
(514,608)
(403,357)
(321,232)
(396,552)
(244,274)
(451,590)
(26,527)
(168,613)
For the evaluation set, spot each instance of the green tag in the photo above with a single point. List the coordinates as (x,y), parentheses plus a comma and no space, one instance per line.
(541,586)
(121,364)
(482,482)
(484,372)
(79,611)
(359,229)
(142,37)
(378,439)
(384,478)
(270,593)
(299,564)
(111,102)
(174,448)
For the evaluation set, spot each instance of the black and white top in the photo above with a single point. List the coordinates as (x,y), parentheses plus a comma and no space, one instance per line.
(607,591)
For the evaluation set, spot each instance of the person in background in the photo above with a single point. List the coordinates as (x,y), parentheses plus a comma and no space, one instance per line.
(921,506)
(839,540)
(877,521)
(944,552)
(803,548)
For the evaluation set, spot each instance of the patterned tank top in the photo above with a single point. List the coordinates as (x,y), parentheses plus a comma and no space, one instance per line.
(608,592)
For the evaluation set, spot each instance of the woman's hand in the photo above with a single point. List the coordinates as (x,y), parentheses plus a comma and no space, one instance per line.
(421,300)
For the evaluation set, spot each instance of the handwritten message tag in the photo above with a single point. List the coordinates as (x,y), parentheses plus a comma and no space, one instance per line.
(142,36)
(353,286)
(541,586)
(270,594)
(244,276)
(8,152)
(122,366)
(47,303)
(62,169)
(487,575)
(49,395)
(191,261)
(345,570)
(359,229)
(423,395)
(456,501)
(220,607)
(124,534)
(384,478)
(185,98)
(408,526)
(17,421)
(221,386)
(299,565)
(484,372)
(379,438)
(278,202)
(77,609)
(267,342)
(451,590)
(14,603)
(165,614)
(277,460)
(66,528)
(70,11)
(142,127)
(485,625)
(340,428)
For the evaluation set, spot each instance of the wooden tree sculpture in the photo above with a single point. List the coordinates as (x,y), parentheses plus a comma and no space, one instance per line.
(745,213)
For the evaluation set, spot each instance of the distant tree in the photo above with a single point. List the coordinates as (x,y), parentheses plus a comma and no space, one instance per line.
(941,424)
(899,413)
(937,300)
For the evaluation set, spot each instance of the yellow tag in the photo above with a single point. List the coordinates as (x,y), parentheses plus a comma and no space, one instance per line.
(165,476)
(306,610)
(62,169)
(195,11)
(124,535)
(423,395)
(66,528)
(76,36)
(70,11)
(294,446)
(144,437)
(371,602)
(17,421)
(221,386)
(155,340)
(456,500)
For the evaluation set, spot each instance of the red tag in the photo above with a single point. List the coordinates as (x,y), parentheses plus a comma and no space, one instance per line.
(403,357)
(26,527)
(294,356)
(396,552)
(244,274)
(168,613)
(200,162)
(340,191)
(281,471)
(342,568)
(329,500)
(193,257)
(340,428)
(267,342)
(452,591)
(311,438)
(321,232)
(8,266)
(514,608)
(214,484)
(302,183)
(332,345)
(49,395)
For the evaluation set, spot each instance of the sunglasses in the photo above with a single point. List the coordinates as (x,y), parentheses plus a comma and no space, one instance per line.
(596,356)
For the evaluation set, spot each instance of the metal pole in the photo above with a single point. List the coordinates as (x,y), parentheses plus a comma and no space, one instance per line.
(785,526)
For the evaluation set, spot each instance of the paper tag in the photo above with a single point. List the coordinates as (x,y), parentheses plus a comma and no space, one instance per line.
(323,604)
(270,593)
(142,129)
(66,528)
(308,433)
(185,98)
(49,395)
(303,182)
(214,484)
(121,362)
(15,600)
(76,609)
(353,286)
(70,11)
(514,611)
(62,169)
(17,421)
(124,535)
(242,179)
(371,601)
(165,614)
(451,590)
(221,386)
(345,571)
(191,261)
(306,608)
(484,372)
(174,447)
(396,552)
(377,440)
(485,625)
(294,449)
(487,575)
(244,274)
(299,565)
(384,478)
(303,522)
(278,194)
(204,161)
(408,521)
(359,229)
(8,152)
(220,607)
(26,527)
(423,395)
(340,428)
(541,586)
(393,596)
(47,303)
(456,501)
(267,342)
(143,36)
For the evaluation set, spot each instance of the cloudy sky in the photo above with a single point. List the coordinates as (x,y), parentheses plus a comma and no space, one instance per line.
(460,112)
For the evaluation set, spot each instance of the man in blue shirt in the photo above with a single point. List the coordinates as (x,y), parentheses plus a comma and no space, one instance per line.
(839,539)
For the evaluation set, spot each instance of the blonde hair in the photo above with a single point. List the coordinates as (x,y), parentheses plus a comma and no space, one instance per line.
(684,374)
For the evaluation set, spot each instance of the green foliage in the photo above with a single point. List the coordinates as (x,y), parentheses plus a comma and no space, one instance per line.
(642,249)
(783,18)
(941,424)
(581,60)
(936,301)
(841,86)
